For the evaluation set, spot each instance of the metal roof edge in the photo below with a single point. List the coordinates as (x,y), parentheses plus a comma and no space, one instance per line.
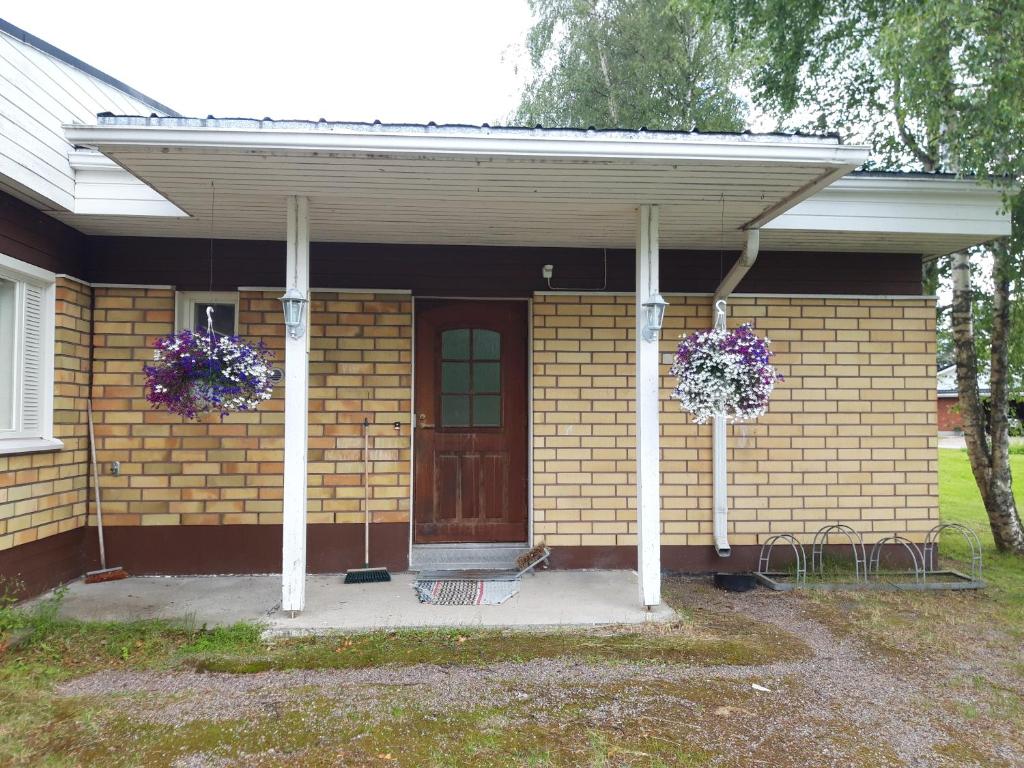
(604,146)
(356,126)
(944,182)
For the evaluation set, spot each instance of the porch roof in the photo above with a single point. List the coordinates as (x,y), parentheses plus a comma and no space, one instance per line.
(460,184)
(484,185)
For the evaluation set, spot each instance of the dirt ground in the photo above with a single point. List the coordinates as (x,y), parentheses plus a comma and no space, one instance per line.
(845,681)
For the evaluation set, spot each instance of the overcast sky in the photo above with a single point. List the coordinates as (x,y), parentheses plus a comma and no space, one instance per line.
(393,60)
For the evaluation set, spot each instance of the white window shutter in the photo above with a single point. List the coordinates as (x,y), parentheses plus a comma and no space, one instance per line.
(33,338)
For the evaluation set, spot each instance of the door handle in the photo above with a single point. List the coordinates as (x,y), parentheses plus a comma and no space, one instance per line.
(422,422)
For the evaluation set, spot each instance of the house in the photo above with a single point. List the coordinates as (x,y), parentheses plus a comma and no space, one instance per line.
(947,399)
(477,295)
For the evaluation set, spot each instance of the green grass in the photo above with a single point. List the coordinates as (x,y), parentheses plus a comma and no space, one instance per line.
(960,502)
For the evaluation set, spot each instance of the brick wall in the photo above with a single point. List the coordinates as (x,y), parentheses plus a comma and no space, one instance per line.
(850,435)
(226,472)
(43,494)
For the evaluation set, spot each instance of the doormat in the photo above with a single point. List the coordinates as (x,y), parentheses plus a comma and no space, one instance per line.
(466,591)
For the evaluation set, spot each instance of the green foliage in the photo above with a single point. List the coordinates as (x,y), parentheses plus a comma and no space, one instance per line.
(40,619)
(659,64)
(936,85)
(237,638)
(10,616)
(960,502)
(933,86)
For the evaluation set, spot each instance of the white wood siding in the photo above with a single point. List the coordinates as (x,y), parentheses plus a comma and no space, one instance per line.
(913,214)
(102,187)
(39,94)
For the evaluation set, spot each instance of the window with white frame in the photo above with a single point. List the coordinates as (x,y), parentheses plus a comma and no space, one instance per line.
(26,357)
(191,307)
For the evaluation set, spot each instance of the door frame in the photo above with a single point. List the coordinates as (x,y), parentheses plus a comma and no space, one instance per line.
(529,417)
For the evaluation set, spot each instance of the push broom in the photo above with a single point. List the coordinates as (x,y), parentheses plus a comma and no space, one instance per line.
(104,573)
(366,574)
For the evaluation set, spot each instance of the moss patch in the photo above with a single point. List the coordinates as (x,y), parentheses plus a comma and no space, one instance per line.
(679,643)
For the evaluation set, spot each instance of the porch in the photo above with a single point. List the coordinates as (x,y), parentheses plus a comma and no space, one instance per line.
(453,187)
(379,226)
(546,599)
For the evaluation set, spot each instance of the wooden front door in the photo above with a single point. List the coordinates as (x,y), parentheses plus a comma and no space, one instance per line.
(470,483)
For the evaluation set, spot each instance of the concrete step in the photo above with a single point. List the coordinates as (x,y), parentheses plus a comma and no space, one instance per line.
(465,557)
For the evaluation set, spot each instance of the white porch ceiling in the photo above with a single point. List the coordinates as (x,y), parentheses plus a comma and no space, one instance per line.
(484,201)
(458,186)
(528,187)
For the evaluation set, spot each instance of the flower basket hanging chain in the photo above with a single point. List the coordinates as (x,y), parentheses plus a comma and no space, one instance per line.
(724,373)
(195,373)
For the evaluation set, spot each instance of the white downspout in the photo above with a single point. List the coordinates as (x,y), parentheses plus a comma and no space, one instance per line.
(718,445)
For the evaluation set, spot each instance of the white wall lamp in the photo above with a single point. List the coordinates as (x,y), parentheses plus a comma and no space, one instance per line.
(293,303)
(655,309)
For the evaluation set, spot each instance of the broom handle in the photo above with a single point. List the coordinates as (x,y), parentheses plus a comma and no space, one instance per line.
(96,486)
(366,493)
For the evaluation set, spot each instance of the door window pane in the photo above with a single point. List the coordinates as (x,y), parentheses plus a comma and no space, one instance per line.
(8,367)
(470,378)
(455,344)
(223,318)
(486,345)
(486,377)
(487,411)
(455,377)
(454,410)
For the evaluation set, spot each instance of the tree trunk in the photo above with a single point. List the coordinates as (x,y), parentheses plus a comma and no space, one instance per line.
(613,107)
(990,463)
(1003,514)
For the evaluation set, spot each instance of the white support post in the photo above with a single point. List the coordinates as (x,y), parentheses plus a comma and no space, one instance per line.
(296,407)
(648,475)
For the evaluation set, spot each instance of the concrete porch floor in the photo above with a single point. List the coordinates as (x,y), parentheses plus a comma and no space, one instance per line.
(547,599)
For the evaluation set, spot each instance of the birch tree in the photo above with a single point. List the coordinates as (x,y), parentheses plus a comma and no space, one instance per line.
(935,86)
(659,64)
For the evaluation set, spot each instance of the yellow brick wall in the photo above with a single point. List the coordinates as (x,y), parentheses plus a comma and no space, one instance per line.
(850,435)
(42,494)
(230,472)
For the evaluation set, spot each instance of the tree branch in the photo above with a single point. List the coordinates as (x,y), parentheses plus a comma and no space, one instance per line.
(927,161)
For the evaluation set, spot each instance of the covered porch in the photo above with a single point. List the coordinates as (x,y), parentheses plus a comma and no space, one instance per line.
(310,183)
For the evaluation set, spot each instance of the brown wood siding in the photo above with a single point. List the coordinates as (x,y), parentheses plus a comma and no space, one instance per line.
(34,237)
(220,549)
(44,563)
(203,549)
(434,270)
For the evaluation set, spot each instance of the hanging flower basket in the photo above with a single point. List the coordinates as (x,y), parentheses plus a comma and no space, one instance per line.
(722,372)
(195,372)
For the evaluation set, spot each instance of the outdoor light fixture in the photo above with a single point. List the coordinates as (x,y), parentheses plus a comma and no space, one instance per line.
(293,303)
(655,308)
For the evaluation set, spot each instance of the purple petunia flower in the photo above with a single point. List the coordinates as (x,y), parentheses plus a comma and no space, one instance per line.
(726,373)
(195,372)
